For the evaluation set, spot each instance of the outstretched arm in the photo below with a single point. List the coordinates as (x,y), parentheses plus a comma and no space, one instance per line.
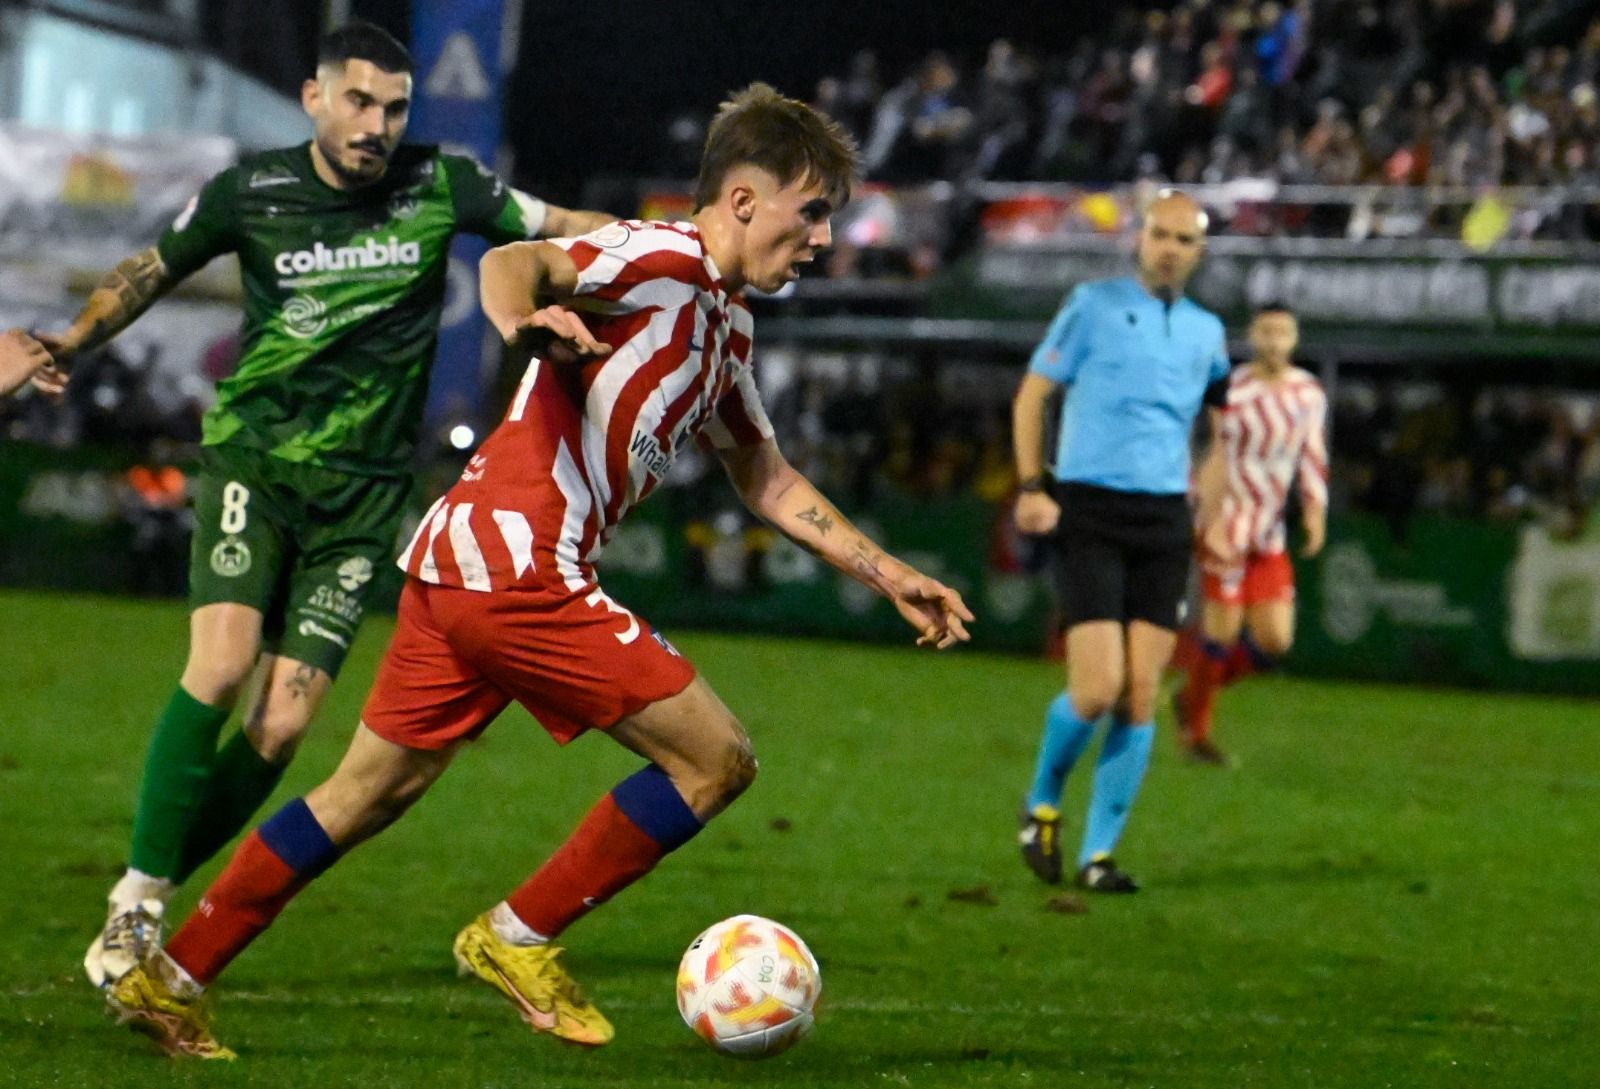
(121,296)
(778,494)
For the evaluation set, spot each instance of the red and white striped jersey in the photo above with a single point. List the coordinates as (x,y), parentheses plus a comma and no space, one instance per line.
(581,444)
(1271,430)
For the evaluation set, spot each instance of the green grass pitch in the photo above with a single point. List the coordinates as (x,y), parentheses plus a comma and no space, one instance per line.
(1396,887)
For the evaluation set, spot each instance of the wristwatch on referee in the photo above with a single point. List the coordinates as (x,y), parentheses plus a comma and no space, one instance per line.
(1038,482)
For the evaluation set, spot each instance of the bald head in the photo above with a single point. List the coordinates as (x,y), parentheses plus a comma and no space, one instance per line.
(1171,239)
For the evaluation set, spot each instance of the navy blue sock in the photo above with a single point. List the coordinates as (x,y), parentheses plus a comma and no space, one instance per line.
(649,800)
(293,834)
(1260,660)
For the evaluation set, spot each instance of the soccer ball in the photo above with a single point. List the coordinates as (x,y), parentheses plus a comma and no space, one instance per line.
(747,985)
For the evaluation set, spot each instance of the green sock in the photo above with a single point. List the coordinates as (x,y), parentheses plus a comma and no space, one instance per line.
(240,781)
(176,771)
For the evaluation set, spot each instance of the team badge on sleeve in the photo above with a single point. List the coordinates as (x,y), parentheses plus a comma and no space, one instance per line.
(230,558)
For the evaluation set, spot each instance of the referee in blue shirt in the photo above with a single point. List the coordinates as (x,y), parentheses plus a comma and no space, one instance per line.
(1137,360)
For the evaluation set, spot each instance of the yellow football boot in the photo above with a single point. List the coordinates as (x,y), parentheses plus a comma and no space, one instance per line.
(531,976)
(146,1000)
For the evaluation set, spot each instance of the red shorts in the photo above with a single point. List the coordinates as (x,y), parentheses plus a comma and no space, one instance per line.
(576,661)
(1262,579)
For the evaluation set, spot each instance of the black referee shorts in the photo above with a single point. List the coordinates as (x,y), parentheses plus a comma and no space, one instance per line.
(1121,556)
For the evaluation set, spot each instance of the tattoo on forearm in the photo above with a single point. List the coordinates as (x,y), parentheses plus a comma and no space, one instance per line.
(299,682)
(134,284)
(817,518)
(138,279)
(866,559)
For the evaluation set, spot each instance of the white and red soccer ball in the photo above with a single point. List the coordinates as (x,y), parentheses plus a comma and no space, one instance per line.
(747,986)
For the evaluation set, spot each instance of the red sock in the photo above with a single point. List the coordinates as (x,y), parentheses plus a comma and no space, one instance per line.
(1200,694)
(1188,651)
(604,855)
(240,904)
(1240,664)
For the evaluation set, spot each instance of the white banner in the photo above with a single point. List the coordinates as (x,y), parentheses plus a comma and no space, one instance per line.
(1555,598)
(86,202)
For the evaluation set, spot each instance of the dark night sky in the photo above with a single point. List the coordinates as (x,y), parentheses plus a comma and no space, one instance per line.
(596,82)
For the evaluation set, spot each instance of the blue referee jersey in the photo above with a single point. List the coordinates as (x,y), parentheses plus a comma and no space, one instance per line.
(1137,370)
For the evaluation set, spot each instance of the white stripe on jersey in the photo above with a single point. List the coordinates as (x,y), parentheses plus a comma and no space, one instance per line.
(404,560)
(518,535)
(660,293)
(519,404)
(469,558)
(1271,433)
(576,516)
(600,404)
(612,260)
(429,571)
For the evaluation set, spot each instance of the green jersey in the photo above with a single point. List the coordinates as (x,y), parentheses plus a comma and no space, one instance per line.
(342,296)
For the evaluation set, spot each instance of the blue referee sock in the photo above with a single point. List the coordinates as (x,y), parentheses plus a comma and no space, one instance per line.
(1065,735)
(1123,760)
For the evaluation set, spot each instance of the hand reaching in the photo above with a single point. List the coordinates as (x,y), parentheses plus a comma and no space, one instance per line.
(935,610)
(24,358)
(559,335)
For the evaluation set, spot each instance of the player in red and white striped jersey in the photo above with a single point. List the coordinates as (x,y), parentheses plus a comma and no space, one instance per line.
(584,441)
(1271,436)
(646,348)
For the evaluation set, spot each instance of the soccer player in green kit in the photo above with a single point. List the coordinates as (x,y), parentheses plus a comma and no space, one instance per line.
(342,245)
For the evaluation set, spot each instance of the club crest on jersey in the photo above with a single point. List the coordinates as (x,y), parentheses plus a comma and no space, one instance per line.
(230,558)
(404,205)
(355,572)
(610,236)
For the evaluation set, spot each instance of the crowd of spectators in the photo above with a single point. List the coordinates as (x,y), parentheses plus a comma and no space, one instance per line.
(1338,92)
(1495,453)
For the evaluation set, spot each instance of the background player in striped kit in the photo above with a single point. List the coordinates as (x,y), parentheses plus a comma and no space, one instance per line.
(647,348)
(1271,432)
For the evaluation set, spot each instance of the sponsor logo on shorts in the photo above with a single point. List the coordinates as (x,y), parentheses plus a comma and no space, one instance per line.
(666,646)
(311,627)
(230,558)
(355,573)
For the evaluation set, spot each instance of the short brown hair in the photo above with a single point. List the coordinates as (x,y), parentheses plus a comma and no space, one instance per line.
(783,136)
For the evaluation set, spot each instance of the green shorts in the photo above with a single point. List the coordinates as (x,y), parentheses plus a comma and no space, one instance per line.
(298,542)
